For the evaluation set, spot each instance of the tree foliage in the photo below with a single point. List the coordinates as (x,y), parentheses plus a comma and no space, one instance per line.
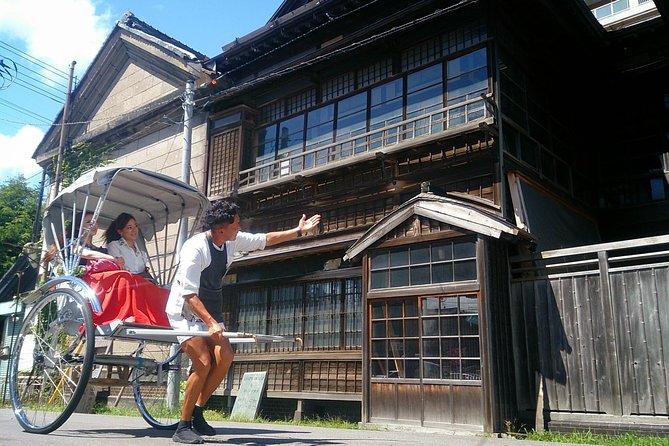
(18,207)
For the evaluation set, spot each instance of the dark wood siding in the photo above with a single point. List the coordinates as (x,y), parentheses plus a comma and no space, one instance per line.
(598,336)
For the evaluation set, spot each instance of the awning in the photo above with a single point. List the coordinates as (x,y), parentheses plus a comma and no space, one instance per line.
(288,250)
(456,211)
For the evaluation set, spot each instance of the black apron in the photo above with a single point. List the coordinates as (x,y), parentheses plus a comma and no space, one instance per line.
(211,281)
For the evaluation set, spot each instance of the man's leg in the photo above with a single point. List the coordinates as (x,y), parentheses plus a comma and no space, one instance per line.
(222,358)
(198,351)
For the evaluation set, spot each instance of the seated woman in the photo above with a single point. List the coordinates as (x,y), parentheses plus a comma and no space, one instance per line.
(89,251)
(121,238)
(124,294)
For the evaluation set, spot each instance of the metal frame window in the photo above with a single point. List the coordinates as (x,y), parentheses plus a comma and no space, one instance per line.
(450,338)
(441,262)
(429,338)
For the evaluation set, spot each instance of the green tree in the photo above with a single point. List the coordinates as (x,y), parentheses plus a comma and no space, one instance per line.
(18,207)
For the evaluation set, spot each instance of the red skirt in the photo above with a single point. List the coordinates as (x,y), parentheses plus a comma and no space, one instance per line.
(123,294)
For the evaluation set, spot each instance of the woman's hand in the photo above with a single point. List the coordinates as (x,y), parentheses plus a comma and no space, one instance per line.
(120,262)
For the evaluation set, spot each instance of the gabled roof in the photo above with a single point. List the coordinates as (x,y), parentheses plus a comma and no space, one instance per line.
(130,41)
(449,210)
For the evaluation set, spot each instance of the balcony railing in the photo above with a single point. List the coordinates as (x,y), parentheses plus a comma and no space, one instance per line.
(350,150)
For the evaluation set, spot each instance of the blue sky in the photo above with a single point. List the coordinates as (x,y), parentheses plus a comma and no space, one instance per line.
(43,45)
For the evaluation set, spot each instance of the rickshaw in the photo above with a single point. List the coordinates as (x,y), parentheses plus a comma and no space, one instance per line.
(59,352)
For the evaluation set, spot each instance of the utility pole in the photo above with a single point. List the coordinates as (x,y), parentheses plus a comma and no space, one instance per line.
(174,376)
(63,133)
(189,102)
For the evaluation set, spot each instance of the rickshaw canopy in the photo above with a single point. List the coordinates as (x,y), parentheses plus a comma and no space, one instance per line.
(154,199)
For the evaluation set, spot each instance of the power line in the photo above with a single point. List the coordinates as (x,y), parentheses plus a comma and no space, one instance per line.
(318,59)
(111,118)
(40,91)
(23,110)
(34,60)
(49,84)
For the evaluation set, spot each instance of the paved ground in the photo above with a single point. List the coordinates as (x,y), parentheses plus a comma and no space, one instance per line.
(106,430)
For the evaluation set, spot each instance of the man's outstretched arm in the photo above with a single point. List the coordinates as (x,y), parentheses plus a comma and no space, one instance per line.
(305,224)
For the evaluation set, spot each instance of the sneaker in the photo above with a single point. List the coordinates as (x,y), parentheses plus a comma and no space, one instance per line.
(185,434)
(200,425)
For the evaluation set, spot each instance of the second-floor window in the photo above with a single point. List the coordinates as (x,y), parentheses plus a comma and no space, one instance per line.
(375,113)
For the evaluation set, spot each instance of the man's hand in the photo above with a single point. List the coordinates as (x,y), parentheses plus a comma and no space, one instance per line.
(215,329)
(306,224)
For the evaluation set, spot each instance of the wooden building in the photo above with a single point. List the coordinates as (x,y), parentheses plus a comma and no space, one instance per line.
(443,142)
(491,177)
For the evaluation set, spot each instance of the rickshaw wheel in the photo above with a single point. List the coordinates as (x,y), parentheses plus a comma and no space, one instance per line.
(52,360)
(156,385)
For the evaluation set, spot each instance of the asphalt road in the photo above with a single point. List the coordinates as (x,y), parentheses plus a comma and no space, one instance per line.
(107,430)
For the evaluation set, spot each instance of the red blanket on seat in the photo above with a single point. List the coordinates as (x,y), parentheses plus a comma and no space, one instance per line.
(123,295)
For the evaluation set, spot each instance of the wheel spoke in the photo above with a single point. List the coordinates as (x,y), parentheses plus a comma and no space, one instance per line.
(57,339)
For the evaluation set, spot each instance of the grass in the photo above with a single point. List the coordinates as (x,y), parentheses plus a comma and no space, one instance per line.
(603,440)
(217,415)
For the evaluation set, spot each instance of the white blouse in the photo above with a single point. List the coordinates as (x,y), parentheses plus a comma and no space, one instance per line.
(135,261)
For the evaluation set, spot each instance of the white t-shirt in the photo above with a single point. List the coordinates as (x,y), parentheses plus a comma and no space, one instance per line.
(135,261)
(195,257)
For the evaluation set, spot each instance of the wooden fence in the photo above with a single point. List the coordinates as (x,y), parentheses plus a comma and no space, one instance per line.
(590,329)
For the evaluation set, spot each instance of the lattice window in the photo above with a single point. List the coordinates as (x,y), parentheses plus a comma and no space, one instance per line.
(374,73)
(285,306)
(352,313)
(421,54)
(332,376)
(338,86)
(300,101)
(344,217)
(464,37)
(224,165)
(252,316)
(329,317)
(321,315)
(415,265)
(315,376)
(271,112)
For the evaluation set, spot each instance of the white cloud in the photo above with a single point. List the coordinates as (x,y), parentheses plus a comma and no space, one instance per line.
(57,32)
(16,152)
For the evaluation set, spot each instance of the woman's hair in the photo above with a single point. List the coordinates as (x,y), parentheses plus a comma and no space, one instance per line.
(76,222)
(111,233)
(220,212)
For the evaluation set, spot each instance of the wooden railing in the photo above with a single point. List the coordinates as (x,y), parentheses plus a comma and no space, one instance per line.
(350,150)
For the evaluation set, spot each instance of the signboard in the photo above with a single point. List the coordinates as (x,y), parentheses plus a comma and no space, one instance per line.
(249,395)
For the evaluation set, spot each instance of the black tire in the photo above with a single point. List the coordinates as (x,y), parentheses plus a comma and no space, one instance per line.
(162,365)
(57,339)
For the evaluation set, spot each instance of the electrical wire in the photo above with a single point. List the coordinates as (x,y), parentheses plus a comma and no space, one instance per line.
(107,119)
(343,50)
(23,110)
(20,82)
(316,28)
(36,61)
